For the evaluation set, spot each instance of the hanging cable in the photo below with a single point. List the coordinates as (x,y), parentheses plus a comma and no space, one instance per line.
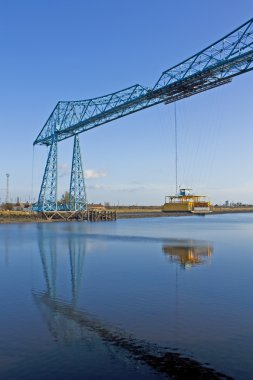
(32,175)
(176,158)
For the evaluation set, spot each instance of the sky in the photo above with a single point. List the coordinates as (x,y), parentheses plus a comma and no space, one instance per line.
(71,50)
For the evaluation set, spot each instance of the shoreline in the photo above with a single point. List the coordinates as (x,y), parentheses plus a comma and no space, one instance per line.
(161,214)
(31,217)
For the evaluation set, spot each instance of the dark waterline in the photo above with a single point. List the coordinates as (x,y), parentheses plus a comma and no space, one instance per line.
(140,299)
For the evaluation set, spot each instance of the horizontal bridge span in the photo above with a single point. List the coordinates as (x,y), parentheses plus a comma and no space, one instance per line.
(216,65)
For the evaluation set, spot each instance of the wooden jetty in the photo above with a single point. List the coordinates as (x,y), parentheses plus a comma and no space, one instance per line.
(89,215)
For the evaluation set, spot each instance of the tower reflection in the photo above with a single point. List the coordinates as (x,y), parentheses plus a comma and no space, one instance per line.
(49,255)
(66,321)
(50,300)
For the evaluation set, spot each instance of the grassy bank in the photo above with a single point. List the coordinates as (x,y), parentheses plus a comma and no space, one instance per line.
(155,211)
(20,217)
(123,212)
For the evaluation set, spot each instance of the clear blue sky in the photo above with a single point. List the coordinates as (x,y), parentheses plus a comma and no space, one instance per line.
(70,50)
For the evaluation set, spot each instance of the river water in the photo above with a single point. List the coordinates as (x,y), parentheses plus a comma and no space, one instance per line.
(133,299)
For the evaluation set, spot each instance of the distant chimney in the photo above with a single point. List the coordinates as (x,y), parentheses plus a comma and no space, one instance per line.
(7,188)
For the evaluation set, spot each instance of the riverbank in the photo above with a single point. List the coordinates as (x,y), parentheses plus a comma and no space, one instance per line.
(126,213)
(20,217)
(122,213)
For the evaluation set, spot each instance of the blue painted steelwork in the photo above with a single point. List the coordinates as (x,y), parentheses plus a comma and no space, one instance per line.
(214,66)
(77,194)
(48,193)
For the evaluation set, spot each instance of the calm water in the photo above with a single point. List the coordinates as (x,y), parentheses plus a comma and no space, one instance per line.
(132,299)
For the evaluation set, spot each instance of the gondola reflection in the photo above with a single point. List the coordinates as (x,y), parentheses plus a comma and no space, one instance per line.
(67,321)
(188,253)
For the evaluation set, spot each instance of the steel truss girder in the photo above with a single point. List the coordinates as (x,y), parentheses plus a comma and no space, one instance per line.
(217,64)
(48,193)
(77,193)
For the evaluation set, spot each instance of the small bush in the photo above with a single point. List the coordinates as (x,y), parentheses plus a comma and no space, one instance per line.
(7,206)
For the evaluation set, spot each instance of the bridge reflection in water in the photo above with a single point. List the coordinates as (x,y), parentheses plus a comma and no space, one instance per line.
(67,322)
(188,253)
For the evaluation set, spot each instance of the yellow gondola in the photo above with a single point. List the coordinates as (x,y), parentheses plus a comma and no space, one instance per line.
(185,201)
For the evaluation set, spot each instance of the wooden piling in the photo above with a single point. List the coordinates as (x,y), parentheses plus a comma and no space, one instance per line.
(89,215)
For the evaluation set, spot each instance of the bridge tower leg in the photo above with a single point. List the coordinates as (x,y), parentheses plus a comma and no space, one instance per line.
(77,193)
(48,192)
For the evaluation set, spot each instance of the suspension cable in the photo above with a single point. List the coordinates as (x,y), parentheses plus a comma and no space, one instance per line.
(176,148)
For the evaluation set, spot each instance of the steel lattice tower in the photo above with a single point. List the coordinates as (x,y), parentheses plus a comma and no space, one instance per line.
(213,66)
(77,193)
(48,193)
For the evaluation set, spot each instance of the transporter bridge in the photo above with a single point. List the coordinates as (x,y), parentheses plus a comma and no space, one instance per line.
(214,66)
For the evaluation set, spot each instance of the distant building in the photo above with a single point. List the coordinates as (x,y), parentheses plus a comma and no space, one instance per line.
(96,206)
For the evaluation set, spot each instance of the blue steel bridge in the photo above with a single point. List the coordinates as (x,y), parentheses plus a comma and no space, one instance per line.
(213,66)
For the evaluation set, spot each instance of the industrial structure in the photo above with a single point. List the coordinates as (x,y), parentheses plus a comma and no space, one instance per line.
(186,201)
(7,188)
(214,66)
